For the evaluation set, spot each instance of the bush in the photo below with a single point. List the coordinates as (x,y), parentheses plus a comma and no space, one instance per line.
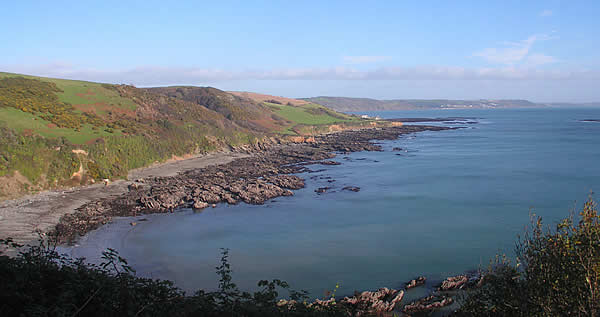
(41,282)
(557,272)
(40,97)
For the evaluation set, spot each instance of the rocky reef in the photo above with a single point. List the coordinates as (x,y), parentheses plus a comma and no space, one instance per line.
(253,180)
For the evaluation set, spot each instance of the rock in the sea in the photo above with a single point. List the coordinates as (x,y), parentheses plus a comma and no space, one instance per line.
(454,282)
(256,179)
(416,282)
(322,190)
(352,188)
(330,163)
(323,303)
(427,304)
(397,149)
(285,302)
(383,300)
(198,204)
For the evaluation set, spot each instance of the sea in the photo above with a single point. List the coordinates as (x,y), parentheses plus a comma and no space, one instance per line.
(445,203)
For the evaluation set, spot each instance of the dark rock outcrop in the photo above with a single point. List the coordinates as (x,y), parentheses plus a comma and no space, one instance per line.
(380,301)
(330,163)
(254,180)
(416,282)
(427,304)
(454,282)
(322,190)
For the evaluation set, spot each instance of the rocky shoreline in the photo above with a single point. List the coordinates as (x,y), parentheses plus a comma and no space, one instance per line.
(389,302)
(257,179)
(254,180)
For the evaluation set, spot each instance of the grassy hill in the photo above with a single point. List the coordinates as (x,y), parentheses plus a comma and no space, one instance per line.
(56,132)
(268,98)
(307,115)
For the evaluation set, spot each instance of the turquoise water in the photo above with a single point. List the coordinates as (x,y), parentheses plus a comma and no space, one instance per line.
(447,204)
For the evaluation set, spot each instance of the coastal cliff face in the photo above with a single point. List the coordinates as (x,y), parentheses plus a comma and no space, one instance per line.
(44,133)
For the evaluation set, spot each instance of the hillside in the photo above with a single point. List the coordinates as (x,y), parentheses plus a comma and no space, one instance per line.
(365,104)
(268,98)
(56,132)
(302,117)
(244,112)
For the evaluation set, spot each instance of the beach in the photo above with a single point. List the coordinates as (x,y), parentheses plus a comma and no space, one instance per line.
(21,219)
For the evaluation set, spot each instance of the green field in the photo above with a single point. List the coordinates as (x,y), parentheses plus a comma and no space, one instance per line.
(309,114)
(23,121)
(84,93)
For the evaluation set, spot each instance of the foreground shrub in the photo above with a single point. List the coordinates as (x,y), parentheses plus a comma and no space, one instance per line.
(557,272)
(41,282)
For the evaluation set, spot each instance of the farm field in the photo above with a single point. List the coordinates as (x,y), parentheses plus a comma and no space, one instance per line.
(308,114)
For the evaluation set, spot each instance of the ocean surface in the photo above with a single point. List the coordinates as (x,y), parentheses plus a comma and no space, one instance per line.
(447,203)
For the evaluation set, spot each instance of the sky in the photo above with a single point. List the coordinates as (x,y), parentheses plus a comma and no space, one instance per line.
(545,51)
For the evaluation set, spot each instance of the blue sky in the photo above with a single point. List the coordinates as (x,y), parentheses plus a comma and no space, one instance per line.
(537,50)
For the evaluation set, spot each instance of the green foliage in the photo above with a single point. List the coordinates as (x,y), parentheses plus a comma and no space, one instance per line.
(122,127)
(36,156)
(40,97)
(307,114)
(37,139)
(41,282)
(114,156)
(558,272)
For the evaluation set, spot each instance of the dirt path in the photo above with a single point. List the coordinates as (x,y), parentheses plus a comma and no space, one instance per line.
(21,218)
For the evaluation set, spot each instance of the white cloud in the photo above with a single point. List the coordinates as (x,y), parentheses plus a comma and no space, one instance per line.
(517,52)
(151,76)
(546,13)
(364,59)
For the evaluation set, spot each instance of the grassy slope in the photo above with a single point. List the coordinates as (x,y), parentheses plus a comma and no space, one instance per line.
(24,122)
(250,110)
(122,127)
(308,114)
(91,92)
(131,128)
(243,111)
(93,97)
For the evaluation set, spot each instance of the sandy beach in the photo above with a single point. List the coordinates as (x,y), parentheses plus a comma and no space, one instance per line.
(21,219)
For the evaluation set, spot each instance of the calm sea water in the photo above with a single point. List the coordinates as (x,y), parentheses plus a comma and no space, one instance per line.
(448,203)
